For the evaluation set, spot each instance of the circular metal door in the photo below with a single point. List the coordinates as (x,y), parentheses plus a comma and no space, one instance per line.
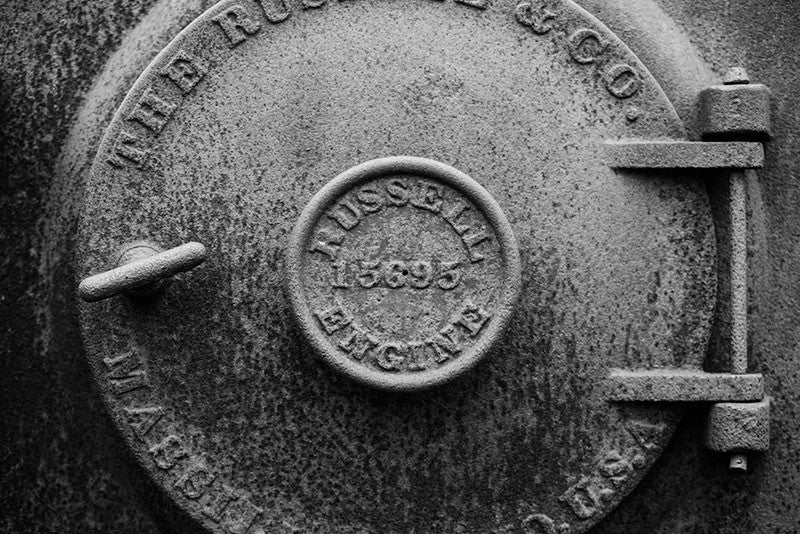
(242,397)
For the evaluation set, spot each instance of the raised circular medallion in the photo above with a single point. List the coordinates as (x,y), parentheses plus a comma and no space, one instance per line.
(403,272)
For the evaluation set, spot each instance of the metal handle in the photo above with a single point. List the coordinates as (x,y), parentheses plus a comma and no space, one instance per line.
(142,272)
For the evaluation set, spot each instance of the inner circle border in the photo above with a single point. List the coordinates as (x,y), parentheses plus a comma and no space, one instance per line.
(426,168)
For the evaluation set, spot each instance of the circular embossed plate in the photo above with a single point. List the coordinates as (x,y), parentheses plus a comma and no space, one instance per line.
(403,272)
(233,130)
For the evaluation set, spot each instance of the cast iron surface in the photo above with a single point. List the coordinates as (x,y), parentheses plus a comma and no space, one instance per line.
(63,467)
(403,273)
(234,128)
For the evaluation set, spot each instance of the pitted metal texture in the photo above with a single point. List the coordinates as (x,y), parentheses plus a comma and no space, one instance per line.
(244,118)
(66,67)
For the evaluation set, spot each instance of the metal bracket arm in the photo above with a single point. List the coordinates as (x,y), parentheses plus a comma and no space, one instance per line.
(683,155)
(669,385)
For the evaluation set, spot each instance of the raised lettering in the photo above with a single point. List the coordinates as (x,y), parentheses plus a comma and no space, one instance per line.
(239,515)
(418,358)
(358,343)
(185,70)
(450,276)
(397,190)
(236,24)
(153,111)
(215,502)
(536,18)
(420,274)
(346,213)
(371,200)
(143,419)
(645,434)
(388,252)
(472,318)
(391,355)
(444,345)
(583,502)
(334,319)
(586,46)
(167,453)
(471,241)
(369,273)
(622,81)
(194,481)
(394,274)
(327,244)
(128,148)
(429,197)
(586,497)
(337,277)
(125,372)
(538,524)
(453,215)
(275,10)
(470,238)
(615,468)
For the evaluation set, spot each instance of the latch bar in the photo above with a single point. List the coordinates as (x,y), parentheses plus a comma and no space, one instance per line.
(683,155)
(674,385)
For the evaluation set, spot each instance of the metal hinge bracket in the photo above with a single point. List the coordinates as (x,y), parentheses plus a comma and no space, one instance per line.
(734,120)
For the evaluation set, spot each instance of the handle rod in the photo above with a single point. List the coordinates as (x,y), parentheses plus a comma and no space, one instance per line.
(142,272)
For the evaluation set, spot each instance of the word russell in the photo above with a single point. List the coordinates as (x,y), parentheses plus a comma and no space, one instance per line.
(353,207)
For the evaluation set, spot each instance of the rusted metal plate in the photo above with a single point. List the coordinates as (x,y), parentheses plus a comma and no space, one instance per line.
(250,112)
(403,273)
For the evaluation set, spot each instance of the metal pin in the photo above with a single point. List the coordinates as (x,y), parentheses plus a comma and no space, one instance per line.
(738,275)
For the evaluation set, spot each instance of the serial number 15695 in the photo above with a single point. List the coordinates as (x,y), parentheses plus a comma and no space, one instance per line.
(394,274)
